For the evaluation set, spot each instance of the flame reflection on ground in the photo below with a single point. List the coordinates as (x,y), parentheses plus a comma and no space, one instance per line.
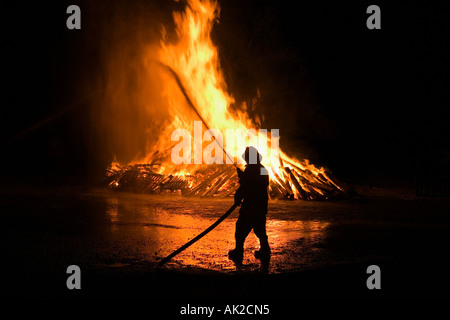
(158,225)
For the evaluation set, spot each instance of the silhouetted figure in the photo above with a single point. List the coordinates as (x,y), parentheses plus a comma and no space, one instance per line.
(252,215)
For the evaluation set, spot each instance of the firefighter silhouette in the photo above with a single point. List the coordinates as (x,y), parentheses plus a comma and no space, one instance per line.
(253,198)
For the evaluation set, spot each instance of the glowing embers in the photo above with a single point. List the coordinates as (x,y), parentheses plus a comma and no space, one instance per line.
(221,181)
(218,181)
(141,178)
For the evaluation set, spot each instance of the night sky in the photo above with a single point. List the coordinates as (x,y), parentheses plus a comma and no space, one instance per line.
(368,104)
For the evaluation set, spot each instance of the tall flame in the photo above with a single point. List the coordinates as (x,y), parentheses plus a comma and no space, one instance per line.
(195,59)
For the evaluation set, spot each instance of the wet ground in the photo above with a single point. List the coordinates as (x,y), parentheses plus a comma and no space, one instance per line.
(319,249)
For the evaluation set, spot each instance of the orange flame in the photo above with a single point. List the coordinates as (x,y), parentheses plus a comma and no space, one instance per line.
(195,59)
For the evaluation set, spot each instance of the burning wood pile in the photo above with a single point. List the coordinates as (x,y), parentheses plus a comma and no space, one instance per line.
(192,89)
(221,181)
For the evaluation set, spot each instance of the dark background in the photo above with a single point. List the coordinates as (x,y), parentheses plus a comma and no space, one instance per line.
(368,104)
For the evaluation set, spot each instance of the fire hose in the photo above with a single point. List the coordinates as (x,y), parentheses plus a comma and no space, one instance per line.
(226,214)
(201,235)
(189,101)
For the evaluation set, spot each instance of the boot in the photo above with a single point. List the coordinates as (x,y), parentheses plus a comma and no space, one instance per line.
(236,255)
(262,253)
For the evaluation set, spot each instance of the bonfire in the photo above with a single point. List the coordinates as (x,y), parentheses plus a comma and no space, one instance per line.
(199,103)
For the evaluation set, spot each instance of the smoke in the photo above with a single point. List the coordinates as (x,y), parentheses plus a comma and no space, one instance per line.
(129,111)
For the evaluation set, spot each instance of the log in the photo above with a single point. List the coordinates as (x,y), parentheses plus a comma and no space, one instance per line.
(339,184)
(204,183)
(275,191)
(230,191)
(222,180)
(283,184)
(302,194)
(214,182)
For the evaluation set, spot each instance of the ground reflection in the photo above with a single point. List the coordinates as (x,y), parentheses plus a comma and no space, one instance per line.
(151,227)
